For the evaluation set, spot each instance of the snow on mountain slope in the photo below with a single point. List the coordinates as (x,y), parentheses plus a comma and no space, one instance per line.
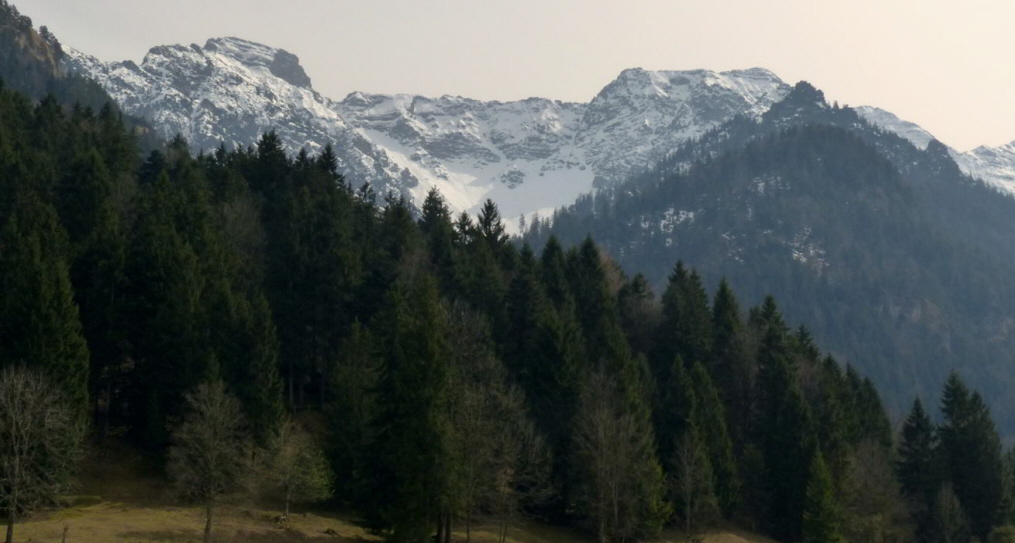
(641,115)
(889,121)
(520,154)
(528,155)
(993,165)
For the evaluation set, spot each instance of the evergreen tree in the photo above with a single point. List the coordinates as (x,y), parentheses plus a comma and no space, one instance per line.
(918,467)
(710,418)
(972,451)
(831,415)
(39,322)
(352,423)
(821,515)
(686,328)
(526,313)
(435,224)
(166,334)
(596,307)
(783,433)
(413,470)
(553,268)
(732,367)
(639,314)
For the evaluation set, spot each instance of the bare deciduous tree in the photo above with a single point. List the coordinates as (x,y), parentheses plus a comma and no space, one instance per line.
(692,482)
(295,468)
(209,454)
(499,458)
(874,510)
(41,443)
(602,440)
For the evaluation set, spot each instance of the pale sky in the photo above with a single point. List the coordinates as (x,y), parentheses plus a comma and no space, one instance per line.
(948,66)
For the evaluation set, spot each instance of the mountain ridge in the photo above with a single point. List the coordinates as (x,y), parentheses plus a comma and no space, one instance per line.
(899,260)
(530,155)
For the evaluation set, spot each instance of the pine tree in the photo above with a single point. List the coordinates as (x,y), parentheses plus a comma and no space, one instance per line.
(553,268)
(526,312)
(831,416)
(918,467)
(732,366)
(783,433)
(413,469)
(596,307)
(435,224)
(353,414)
(821,515)
(686,328)
(972,451)
(39,322)
(165,332)
(639,314)
(710,417)
(250,360)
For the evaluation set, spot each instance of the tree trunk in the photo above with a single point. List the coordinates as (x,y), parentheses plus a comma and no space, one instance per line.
(10,526)
(468,526)
(447,529)
(288,494)
(503,530)
(210,510)
(440,528)
(292,402)
(109,411)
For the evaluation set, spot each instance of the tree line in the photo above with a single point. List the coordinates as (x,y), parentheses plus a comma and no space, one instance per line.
(194,304)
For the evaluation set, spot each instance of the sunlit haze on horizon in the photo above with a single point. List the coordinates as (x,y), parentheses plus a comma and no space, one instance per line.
(941,65)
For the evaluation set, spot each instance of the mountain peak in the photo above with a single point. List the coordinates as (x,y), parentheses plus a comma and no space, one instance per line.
(804,92)
(280,63)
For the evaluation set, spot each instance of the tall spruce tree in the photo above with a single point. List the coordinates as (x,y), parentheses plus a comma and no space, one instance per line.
(919,468)
(821,514)
(413,469)
(710,417)
(39,322)
(783,434)
(686,327)
(732,367)
(972,451)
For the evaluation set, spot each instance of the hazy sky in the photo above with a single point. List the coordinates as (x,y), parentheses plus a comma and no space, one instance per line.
(945,65)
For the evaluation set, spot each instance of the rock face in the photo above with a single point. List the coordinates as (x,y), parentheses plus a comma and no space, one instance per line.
(528,156)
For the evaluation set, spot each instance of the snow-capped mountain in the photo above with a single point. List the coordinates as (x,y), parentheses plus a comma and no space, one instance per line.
(528,155)
(993,165)
(891,122)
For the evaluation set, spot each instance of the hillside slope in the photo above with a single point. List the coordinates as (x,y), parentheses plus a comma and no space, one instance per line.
(893,255)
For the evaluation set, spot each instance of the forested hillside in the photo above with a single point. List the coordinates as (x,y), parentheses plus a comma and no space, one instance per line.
(32,63)
(459,376)
(897,261)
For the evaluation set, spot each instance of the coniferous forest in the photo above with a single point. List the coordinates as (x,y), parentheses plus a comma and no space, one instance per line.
(453,373)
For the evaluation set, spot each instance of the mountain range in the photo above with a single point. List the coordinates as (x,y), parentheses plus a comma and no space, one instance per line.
(901,262)
(529,156)
(896,247)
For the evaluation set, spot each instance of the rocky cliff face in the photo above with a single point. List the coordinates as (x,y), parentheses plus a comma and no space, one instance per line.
(528,156)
